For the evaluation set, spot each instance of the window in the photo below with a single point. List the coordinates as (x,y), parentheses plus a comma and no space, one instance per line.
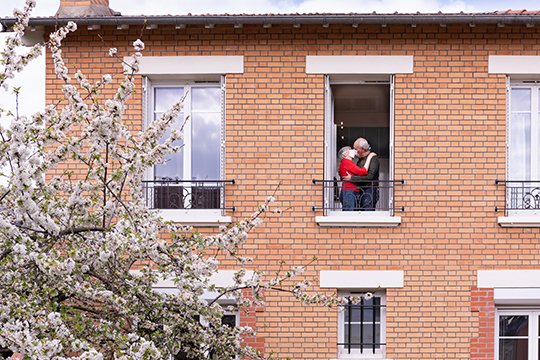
(189,188)
(191,178)
(200,158)
(517,334)
(524,132)
(523,178)
(359,110)
(361,330)
(230,319)
(354,111)
(359,102)
(522,183)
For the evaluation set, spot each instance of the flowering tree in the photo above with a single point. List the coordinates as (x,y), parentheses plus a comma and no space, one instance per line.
(69,243)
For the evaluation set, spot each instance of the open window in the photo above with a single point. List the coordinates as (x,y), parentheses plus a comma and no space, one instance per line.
(362,108)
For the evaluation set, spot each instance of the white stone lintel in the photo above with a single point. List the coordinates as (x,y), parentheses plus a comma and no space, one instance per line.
(361,279)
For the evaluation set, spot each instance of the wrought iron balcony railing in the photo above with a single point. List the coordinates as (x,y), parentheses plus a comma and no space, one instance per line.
(520,195)
(186,194)
(377,195)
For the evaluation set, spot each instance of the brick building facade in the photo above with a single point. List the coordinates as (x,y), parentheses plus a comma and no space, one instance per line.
(450,103)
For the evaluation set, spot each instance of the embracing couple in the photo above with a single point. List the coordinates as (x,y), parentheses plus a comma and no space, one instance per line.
(359,170)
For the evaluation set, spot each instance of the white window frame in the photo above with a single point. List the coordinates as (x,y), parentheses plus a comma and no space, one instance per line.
(200,217)
(379,353)
(533,337)
(523,218)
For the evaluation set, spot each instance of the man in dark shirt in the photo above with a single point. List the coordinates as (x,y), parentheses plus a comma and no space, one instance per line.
(367,184)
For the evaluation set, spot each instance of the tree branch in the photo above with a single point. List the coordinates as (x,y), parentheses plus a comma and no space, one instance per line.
(81,229)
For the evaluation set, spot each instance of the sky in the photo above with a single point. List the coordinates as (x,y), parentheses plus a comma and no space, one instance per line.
(32,80)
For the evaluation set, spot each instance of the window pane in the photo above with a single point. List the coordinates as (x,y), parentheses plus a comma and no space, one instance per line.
(513,326)
(368,335)
(205,147)
(173,165)
(513,349)
(206,99)
(229,320)
(164,98)
(362,336)
(520,135)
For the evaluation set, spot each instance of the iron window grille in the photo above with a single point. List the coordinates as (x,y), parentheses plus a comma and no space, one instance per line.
(363,327)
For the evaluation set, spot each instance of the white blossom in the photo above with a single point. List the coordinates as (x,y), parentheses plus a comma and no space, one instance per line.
(138,45)
(74,227)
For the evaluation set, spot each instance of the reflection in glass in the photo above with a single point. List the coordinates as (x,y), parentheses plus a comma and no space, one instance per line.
(513,337)
(521,100)
(206,99)
(164,98)
(205,134)
(513,325)
(510,349)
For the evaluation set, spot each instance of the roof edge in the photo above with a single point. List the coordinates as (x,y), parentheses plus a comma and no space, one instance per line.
(325,20)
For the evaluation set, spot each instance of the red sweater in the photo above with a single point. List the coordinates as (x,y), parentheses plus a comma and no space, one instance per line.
(348,167)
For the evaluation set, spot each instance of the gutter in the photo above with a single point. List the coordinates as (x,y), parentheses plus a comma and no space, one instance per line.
(295,20)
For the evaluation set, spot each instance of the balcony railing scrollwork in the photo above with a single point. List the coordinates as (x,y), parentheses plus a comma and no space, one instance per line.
(173,194)
(377,195)
(520,195)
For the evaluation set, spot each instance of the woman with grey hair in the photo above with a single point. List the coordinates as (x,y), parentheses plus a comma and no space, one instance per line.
(349,191)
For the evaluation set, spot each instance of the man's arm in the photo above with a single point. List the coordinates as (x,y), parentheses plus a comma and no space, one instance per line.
(372,171)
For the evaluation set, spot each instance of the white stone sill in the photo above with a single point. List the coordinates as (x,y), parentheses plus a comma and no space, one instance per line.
(519,221)
(358,219)
(196,217)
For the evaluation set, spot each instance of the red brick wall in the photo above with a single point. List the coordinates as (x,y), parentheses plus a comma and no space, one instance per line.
(482,304)
(450,128)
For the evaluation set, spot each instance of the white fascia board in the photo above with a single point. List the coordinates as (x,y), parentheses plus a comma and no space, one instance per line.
(508,278)
(361,279)
(357,220)
(519,221)
(359,64)
(188,65)
(514,65)
(513,296)
(195,217)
